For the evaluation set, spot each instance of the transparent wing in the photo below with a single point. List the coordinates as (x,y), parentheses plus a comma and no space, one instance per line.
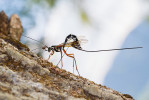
(82,40)
(75,44)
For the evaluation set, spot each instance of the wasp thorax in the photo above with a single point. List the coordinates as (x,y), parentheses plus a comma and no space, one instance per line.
(49,49)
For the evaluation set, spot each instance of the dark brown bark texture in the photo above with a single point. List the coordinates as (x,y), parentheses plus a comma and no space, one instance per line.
(25,76)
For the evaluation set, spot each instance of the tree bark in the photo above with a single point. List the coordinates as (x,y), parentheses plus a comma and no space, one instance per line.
(24,75)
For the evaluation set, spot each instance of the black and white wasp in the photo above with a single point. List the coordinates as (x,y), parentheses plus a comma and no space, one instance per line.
(72,41)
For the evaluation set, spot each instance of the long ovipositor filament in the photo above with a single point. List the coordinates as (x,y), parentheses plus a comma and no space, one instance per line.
(111,49)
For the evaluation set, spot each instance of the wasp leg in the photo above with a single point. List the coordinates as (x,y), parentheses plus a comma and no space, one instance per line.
(74,60)
(61,60)
(50,55)
(69,55)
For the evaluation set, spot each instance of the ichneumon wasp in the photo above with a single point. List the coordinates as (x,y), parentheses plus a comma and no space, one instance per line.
(71,41)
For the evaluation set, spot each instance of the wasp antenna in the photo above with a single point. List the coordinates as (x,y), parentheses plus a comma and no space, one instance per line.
(34,40)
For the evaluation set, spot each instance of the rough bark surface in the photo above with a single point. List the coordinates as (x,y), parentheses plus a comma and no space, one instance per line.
(25,76)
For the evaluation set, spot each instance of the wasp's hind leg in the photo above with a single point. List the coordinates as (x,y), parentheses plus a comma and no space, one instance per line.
(61,60)
(74,61)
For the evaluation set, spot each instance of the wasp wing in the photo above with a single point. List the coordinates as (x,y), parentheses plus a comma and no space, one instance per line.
(82,40)
(76,44)
(73,41)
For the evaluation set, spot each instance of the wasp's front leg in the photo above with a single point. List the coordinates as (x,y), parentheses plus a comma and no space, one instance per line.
(50,55)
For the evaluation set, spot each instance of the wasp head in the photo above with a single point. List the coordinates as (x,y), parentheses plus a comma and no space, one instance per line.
(47,48)
(44,47)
